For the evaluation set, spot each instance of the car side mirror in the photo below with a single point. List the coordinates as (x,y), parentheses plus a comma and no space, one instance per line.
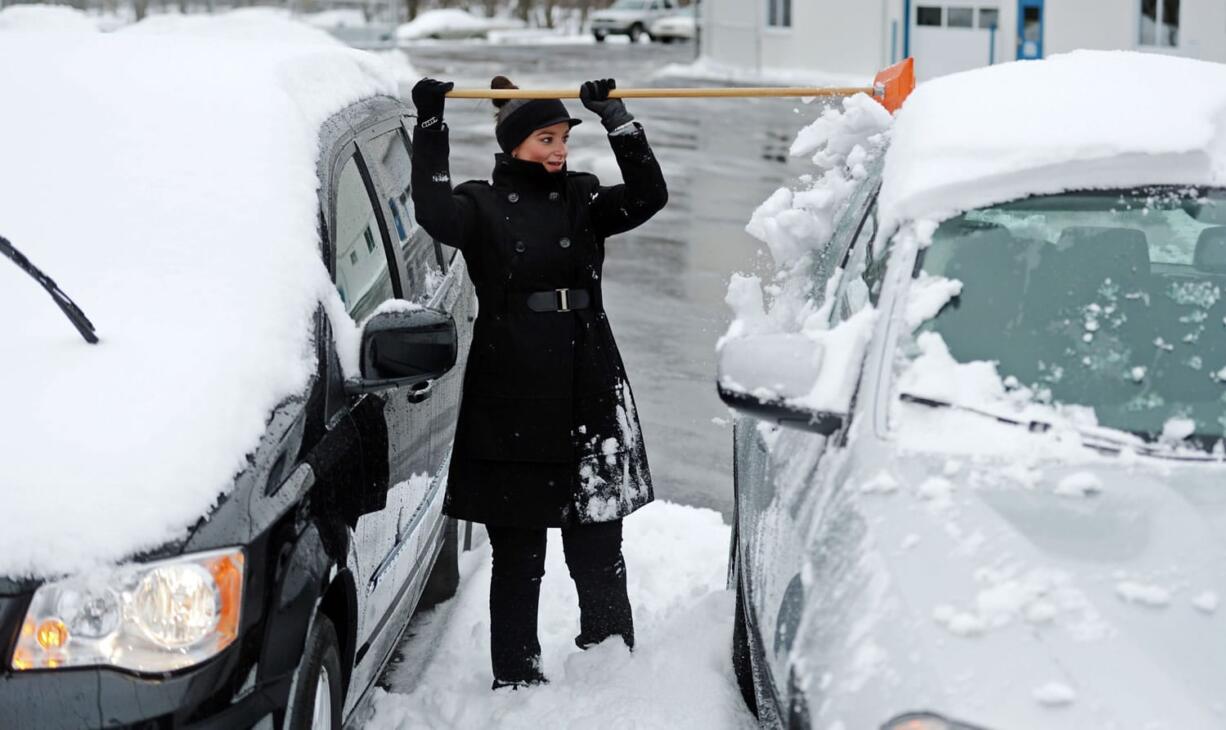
(770,377)
(405,347)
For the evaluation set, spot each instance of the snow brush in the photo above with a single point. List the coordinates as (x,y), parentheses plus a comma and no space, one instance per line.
(890,88)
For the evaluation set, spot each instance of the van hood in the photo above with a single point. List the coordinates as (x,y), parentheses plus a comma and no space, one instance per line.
(1017,595)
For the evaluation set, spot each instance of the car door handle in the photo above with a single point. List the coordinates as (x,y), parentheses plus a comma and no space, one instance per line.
(421,391)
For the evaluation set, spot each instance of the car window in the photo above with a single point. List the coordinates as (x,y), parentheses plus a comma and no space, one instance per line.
(864,266)
(1106,300)
(422,271)
(362,274)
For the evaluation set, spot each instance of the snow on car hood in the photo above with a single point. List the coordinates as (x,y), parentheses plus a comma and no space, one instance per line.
(1084,120)
(166,180)
(1051,593)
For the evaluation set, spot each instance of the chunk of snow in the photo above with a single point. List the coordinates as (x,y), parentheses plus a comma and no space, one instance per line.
(1143,594)
(1055,694)
(935,489)
(928,295)
(1206,602)
(1070,122)
(935,374)
(1080,484)
(1138,373)
(882,483)
(1177,429)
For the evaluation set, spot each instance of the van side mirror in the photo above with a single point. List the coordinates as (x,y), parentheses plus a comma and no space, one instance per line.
(770,377)
(403,348)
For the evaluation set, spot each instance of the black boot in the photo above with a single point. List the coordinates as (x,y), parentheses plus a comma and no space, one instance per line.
(593,555)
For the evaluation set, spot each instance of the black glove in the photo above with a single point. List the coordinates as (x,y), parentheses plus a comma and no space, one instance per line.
(595,96)
(429,96)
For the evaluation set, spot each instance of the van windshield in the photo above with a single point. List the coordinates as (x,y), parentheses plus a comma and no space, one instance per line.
(629,5)
(1111,300)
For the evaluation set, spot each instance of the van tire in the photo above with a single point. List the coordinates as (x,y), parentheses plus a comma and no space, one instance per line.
(321,654)
(598,36)
(444,578)
(636,31)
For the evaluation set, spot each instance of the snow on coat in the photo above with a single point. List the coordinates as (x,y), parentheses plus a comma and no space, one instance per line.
(548,434)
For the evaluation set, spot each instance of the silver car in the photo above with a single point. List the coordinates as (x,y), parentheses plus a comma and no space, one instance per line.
(630,17)
(918,561)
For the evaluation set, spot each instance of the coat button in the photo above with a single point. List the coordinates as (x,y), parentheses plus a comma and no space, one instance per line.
(554,195)
(564,243)
(513,197)
(520,247)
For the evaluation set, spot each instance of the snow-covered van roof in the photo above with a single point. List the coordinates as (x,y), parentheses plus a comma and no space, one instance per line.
(167,182)
(1084,120)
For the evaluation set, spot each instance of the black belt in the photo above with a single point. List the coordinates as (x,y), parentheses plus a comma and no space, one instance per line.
(559,300)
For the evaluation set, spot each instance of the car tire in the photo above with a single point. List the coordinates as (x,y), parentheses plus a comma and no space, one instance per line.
(666,39)
(636,32)
(317,679)
(742,658)
(599,37)
(444,578)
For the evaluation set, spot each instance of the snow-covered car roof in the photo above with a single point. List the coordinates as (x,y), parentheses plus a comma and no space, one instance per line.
(1084,120)
(166,179)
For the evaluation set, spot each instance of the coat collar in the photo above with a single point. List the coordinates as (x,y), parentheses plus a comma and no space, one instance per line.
(519,175)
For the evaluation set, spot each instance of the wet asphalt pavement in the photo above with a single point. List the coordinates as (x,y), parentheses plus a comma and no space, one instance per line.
(664,282)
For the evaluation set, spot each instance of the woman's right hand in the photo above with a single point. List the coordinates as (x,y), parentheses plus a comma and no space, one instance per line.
(429,96)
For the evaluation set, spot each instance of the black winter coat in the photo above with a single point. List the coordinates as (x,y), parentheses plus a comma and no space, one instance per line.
(548,434)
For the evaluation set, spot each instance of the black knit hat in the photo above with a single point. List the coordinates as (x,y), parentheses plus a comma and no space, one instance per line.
(518,118)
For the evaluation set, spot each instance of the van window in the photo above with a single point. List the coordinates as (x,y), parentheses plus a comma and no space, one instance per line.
(422,270)
(362,274)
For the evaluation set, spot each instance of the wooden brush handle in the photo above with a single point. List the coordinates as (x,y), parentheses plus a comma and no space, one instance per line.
(713,92)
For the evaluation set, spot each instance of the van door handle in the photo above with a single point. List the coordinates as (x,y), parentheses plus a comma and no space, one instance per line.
(421,391)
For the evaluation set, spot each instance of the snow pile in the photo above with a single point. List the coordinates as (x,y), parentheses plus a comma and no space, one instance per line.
(269,25)
(1070,122)
(195,253)
(796,225)
(40,18)
(680,674)
(336,18)
(452,23)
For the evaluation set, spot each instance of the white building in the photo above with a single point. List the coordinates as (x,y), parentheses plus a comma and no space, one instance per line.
(860,36)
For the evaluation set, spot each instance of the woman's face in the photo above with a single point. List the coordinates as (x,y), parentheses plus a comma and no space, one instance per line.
(546,146)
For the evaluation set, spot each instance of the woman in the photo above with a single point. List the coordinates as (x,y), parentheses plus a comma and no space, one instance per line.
(548,435)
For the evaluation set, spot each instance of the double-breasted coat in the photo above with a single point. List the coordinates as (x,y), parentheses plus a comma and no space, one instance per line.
(548,433)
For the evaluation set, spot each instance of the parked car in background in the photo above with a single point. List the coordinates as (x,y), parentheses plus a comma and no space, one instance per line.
(246,472)
(979,475)
(453,24)
(631,18)
(681,26)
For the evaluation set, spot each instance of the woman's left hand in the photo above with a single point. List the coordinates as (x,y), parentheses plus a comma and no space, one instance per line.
(595,96)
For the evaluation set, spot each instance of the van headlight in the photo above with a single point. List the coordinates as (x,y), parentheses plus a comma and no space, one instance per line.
(146,617)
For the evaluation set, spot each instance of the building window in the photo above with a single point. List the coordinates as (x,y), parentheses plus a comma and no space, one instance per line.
(1160,23)
(989,18)
(961,17)
(779,13)
(928,15)
(370,240)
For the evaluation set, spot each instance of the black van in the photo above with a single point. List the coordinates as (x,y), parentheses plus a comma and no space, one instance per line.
(333,534)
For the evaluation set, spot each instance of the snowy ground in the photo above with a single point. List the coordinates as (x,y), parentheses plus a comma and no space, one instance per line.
(680,674)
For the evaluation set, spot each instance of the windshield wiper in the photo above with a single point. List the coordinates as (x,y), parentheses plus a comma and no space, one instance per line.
(1091,439)
(1032,426)
(66,305)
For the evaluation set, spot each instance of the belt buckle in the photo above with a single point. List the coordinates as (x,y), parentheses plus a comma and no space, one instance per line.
(563,299)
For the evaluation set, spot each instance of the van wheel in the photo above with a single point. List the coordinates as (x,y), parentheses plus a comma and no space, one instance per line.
(316,699)
(445,577)
(598,36)
(742,661)
(636,31)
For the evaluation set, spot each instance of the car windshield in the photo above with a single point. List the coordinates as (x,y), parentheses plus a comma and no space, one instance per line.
(1111,300)
(629,5)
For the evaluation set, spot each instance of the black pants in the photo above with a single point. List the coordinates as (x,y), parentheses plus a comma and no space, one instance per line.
(594,558)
